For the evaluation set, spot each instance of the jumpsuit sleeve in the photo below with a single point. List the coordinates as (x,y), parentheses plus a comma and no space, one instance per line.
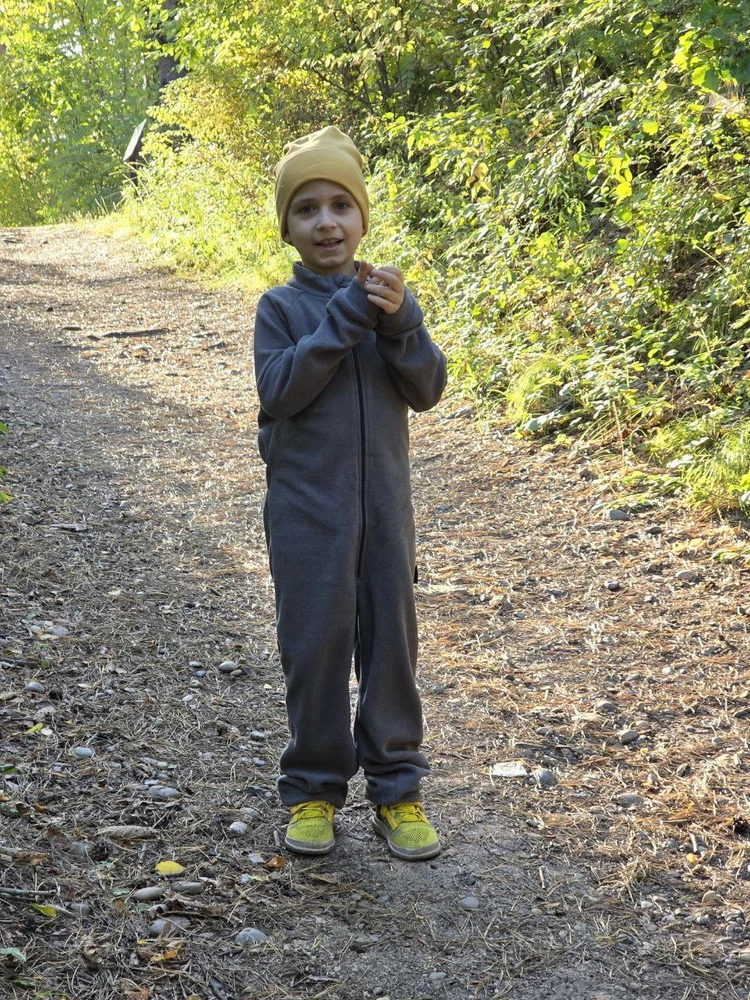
(416,365)
(291,375)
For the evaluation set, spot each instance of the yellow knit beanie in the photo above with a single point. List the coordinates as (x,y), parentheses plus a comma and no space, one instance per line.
(326,155)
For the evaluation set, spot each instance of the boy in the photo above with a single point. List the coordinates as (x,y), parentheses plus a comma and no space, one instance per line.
(340,355)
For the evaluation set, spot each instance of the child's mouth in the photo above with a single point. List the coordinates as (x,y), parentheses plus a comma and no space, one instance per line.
(329,244)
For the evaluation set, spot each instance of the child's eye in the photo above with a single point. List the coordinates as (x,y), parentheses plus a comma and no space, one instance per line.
(342,204)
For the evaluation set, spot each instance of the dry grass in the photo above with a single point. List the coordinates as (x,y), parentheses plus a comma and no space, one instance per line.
(135,526)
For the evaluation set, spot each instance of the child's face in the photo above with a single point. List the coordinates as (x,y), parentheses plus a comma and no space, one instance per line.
(324,225)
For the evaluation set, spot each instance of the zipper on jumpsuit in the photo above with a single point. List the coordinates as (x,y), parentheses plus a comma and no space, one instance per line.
(363,521)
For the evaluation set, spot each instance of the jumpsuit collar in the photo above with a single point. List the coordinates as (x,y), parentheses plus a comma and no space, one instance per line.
(322,284)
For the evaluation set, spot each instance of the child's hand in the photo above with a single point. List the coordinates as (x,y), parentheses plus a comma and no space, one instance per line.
(385,287)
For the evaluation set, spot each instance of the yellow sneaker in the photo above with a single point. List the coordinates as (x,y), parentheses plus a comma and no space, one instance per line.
(409,833)
(311,828)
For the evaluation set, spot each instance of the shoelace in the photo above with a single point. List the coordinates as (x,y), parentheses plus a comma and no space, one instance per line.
(408,812)
(312,810)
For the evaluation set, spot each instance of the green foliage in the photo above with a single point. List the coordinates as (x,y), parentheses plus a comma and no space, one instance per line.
(565,185)
(73,85)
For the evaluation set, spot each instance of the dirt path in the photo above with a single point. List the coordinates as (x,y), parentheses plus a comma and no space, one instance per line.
(608,657)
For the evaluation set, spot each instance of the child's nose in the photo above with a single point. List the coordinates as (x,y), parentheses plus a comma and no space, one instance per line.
(325,218)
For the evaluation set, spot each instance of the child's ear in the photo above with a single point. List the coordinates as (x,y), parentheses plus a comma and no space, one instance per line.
(287,238)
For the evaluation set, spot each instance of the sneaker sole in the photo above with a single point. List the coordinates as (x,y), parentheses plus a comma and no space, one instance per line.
(405,853)
(309,847)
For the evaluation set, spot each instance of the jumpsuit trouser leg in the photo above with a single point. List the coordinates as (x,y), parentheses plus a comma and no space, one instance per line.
(316,622)
(388,722)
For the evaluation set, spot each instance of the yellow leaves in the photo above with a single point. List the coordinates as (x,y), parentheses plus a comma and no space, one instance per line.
(172,952)
(276,863)
(45,909)
(169,868)
(650,127)
(691,547)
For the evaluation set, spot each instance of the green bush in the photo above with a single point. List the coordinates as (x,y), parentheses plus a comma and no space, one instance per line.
(566,188)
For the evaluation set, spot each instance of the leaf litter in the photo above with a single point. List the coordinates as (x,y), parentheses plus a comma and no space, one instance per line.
(134,544)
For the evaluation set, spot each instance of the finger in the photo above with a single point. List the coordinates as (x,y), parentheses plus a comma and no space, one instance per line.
(379,300)
(364,272)
(382,292)
(390,276)
(386,277)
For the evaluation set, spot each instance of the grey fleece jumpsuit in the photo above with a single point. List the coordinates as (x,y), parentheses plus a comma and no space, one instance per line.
(335,378)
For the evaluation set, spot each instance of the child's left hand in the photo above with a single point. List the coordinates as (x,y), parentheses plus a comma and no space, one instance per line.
(385,287)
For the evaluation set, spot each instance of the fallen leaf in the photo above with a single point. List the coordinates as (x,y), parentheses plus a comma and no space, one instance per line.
(170,868)
(171,953)
(14,953)
(275,863)
(45,910)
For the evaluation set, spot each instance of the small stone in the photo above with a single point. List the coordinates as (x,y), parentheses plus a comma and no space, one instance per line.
(226,668)
(195,663)
(80,909)
(604,705)
(702,919)
(544,777)
(149,893)
(469,903)
(163,793)
(688,576)
(629,800)
(619,515)
(80,848)
(250,935)
(59,630)
(250,815)
(628,736)
(508,769)
(463,411)
(437,976)
(237,829)
(239,672)
(188,888)
(168,926)
(34,687)
(711,898)
(613,586)
(83,752)
(744,956)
